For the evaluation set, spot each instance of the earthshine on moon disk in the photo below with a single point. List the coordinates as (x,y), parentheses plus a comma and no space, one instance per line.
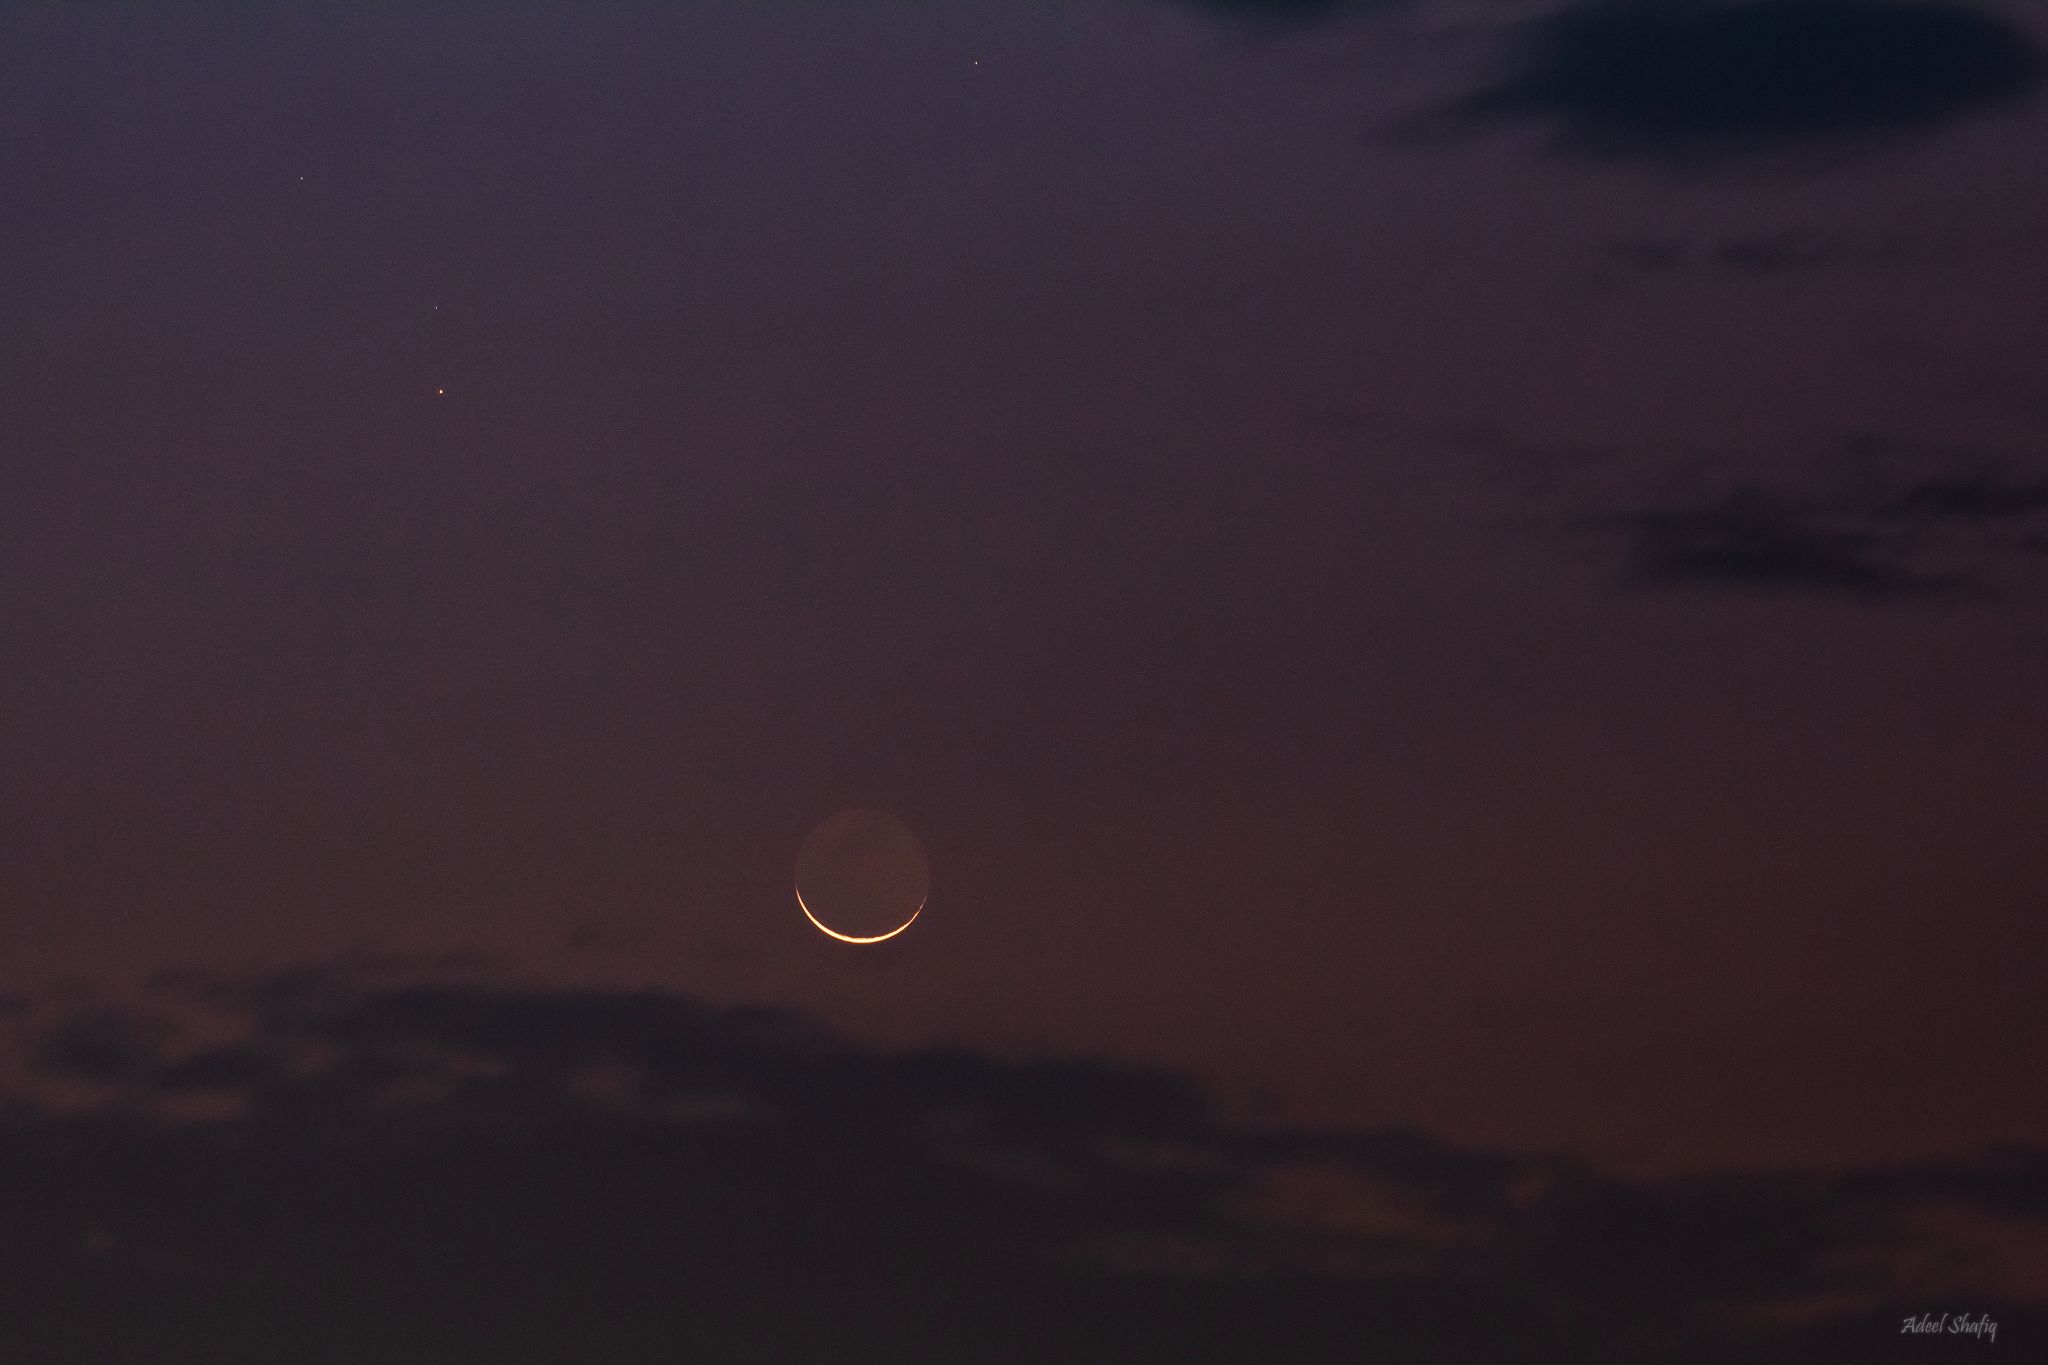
(861,876)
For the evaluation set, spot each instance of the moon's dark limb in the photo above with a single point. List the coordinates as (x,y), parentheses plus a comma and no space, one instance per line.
(862,876)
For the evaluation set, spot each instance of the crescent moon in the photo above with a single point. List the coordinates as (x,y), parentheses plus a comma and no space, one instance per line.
(851,938)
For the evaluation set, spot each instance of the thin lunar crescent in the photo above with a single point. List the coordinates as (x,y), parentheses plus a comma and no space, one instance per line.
(862,877)
(850,938)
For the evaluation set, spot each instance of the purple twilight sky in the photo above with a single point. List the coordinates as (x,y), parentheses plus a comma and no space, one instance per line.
(1450,617)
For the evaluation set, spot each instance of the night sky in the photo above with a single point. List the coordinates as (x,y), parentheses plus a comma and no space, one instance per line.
(1454,588)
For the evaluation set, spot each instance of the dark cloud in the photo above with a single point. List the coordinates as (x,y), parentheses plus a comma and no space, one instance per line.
(1982,498)
(453,1171)
(1697,84)
(1752,538)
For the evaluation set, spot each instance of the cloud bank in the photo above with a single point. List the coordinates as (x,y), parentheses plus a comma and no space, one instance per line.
(324,1166)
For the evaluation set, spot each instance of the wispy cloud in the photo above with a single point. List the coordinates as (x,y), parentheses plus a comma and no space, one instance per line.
(1979,498)
(1879,519)
(1756,539)
(1788,251)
